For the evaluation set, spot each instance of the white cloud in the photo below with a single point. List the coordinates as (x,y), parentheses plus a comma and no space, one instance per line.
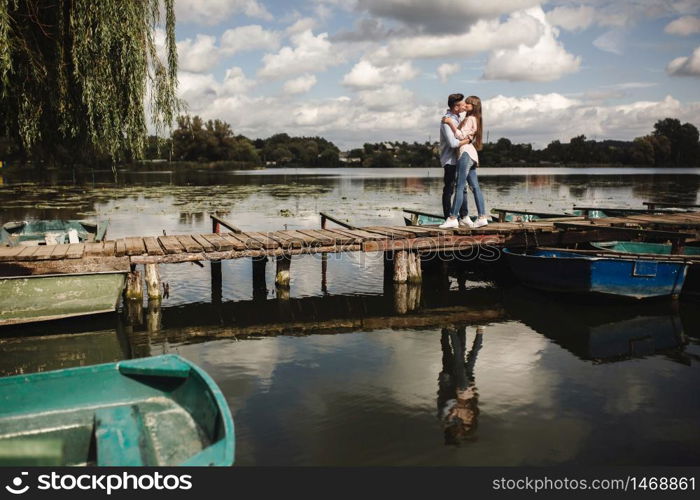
(445,71)
(441,16)
(520,29)
(301,25)
(683,26)
(235,82)
(366,75)
(248,38)
(310,53)
(213,12)
(199,55)
(612,41)
(300,85)
(572,18)
(685,66)
(388,98)
(546,60)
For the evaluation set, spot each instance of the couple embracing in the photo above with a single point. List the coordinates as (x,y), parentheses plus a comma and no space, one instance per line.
(459,142)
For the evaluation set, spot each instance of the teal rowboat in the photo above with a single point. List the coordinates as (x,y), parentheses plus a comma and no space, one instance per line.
(643,247)
(158,411)
(52,232)
(24,299)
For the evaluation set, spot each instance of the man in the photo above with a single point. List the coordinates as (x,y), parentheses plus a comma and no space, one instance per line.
(449,146)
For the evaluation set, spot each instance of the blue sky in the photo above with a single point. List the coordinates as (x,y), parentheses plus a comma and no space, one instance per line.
(358,71)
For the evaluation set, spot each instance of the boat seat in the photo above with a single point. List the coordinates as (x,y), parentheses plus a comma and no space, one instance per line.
(119,434)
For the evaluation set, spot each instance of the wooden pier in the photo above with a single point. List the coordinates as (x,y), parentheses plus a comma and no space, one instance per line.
(403,245)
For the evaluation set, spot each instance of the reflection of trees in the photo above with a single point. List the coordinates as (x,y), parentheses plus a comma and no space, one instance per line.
(679,188)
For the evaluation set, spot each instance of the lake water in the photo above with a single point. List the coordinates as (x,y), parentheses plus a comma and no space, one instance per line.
(340,371)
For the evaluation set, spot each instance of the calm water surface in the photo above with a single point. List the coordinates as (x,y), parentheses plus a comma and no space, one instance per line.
(346,371)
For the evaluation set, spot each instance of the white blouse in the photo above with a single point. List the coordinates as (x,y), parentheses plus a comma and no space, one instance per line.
(468,130)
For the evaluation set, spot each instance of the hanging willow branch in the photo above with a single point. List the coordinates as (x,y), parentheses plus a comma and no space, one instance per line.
(76,75)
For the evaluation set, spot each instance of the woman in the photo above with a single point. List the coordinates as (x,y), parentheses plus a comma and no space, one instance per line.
(469,128)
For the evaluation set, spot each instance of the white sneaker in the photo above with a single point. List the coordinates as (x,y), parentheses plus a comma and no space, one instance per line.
(450,223)
(466,222)
(481,221)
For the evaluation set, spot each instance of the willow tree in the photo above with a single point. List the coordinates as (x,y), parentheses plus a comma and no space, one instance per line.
(79,77)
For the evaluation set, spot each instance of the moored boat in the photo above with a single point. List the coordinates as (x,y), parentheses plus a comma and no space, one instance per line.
(643,247)
(560,270)
(158,411)
(52,232)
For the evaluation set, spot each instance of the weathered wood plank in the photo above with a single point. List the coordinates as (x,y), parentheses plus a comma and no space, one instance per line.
(238,245)
(364,235)
(59,251)
(134,246)
(43,253)
(321,239)
(120,247)
(262,238)
(202,241)
(28,252)
(218,242)
(9,253)
(304,239)
(246,240)
(170,244)
(344,239)
(391,233)
(152,246)
(66,266)
(75,251)
(189,243)
(285,240)
(110,249)
(93,249)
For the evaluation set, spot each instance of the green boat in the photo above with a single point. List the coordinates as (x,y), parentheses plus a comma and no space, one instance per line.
(25,299)
(159,411)
(643,247)
(52,232)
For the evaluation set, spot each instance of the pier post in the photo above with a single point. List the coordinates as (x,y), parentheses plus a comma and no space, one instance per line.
(415,273)
(153,281)
(153,315)
(388,267)
(134,286)
(324,273)
(401,266)
(216,282)
(259,285)
(283,277)
(406,297)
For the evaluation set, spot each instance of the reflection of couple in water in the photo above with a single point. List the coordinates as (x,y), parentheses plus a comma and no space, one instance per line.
(457,395)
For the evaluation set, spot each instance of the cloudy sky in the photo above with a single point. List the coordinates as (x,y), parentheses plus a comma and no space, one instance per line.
(358,71)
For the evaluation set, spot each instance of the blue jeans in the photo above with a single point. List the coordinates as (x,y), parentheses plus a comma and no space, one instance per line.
(466,174)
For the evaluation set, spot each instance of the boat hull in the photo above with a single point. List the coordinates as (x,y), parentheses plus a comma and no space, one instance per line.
(568,272)
(27,299)
(158,411)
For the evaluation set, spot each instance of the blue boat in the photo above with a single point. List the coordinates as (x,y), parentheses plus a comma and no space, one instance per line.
(158,411)
(569,271)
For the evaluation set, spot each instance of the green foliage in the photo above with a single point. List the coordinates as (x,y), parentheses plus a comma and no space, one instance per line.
(75,76)
(196,140)
(303,151)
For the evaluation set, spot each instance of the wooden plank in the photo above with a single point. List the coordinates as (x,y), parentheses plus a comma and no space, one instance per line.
(170,244)
(59,251)
(390,232)
(134,246)
(188,243)
(94,248)
(428,231)
(285,240)
(120,248)
(225,223)
(344,239)
(110,249)
(264,239)
(322,239)
(365,235)
(43,253)
(305,239)
(247,241)
(208,247)
(152,246)
(75,251)
(27,252)
(72,266)
(218,242)
(237,244)
(9,253)
(405,231)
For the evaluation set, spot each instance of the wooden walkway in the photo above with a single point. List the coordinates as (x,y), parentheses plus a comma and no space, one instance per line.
(116,254)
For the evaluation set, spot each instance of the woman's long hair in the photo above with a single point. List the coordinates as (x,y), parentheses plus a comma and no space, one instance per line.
(476,113)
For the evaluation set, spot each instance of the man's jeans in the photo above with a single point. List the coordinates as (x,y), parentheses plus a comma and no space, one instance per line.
(447,191)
